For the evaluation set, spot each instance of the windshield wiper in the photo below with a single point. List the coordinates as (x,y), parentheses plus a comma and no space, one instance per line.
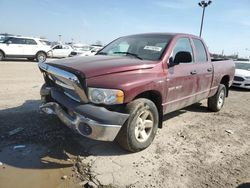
(128,53)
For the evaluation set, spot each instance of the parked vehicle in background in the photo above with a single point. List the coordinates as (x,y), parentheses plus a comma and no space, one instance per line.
(80,50)
(93,50)
(24,47)
(86,51)
(242,74)
(124,90)
(60,51)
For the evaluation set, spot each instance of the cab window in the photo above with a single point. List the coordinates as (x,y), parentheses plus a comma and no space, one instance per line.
(201,55)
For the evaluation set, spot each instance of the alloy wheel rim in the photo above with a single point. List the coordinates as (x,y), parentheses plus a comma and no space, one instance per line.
(221,98)
(144,126)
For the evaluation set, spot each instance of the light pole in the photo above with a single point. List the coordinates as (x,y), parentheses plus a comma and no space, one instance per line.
(203,4)
(60,38)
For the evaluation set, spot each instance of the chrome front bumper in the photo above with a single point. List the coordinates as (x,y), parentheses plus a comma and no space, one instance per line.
(82,125)
(61,98)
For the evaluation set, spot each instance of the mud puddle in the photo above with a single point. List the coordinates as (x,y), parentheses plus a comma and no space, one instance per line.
(30,165)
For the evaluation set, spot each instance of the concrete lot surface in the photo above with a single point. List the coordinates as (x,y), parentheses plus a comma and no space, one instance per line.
(195,147)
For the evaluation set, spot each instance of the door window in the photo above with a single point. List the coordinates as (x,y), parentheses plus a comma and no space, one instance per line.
(30,42)
(17,40)
(201,55)
(57,47)
(183,45)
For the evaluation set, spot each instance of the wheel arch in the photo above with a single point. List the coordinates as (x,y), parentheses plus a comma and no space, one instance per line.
(42,52)
(225,81)
(156,98)
(3,52)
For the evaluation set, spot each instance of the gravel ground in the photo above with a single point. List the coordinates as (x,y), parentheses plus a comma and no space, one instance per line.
(195,147)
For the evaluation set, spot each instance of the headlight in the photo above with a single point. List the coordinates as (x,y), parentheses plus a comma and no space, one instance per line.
(105,96)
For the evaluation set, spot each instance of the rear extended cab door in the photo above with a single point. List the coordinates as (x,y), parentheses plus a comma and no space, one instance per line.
(203,67)
(181,80)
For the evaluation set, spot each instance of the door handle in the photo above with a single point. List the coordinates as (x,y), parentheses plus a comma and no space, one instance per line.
(209,69)
(193,72)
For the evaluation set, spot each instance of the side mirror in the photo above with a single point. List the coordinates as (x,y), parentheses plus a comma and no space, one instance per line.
(8,42)
(182,57)
(92,51)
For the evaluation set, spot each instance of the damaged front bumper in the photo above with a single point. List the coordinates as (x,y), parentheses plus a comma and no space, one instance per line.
(91,121)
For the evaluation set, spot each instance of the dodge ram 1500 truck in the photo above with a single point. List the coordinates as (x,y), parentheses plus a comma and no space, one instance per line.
(123,91)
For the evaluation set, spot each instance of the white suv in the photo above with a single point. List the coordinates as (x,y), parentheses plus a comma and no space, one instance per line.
(24,47)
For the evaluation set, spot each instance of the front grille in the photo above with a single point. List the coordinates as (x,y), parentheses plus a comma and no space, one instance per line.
(237,78)
(66,82)
(236,84)
(64,87)
(247,84)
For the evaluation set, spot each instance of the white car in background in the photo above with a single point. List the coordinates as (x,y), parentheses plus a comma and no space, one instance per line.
(24,47)
(86,51)
(93,50)
(242,74)
(60,51)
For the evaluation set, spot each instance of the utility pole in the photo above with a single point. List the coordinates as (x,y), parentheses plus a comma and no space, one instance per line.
(203,5)
(60,38)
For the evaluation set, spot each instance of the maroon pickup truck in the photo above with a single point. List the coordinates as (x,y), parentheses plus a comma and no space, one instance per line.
(123,91)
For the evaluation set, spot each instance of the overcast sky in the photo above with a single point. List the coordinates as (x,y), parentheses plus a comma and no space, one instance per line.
(226,24)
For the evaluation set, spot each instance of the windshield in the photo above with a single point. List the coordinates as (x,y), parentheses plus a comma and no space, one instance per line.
(147,47)
(244,66)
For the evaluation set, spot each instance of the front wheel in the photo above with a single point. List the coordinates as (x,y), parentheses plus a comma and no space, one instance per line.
(139,130)
(216,102)
(41,57)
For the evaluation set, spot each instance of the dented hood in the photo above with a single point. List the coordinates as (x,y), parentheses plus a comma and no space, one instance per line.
(98,65)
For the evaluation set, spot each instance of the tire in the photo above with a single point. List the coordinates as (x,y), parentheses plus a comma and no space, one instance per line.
(135,135)
(1,55)
(41,57)
(216,102)
(31,58)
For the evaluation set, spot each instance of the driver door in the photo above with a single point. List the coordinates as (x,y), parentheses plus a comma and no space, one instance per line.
(181,79)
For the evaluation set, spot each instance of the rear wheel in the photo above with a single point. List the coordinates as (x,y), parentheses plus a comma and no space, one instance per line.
(1,55)
(41,57)
(216,102)
(139,130)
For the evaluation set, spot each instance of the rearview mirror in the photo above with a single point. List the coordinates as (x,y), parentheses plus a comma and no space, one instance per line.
(182,57)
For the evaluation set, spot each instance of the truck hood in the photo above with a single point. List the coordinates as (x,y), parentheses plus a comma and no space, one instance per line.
(92,66)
